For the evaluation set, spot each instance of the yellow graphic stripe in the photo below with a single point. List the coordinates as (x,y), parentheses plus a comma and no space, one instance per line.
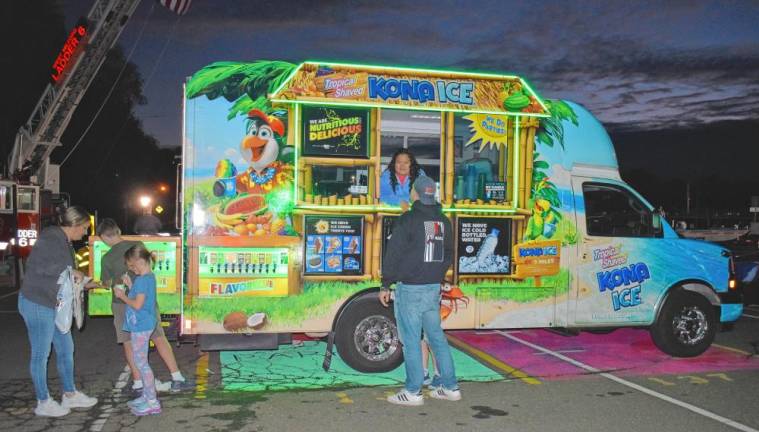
(201,377)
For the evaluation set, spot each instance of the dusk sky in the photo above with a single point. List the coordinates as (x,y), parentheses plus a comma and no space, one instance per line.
(635,65)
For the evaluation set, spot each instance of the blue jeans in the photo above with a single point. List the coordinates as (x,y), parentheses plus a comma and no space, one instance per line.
(417,307)
(40,324)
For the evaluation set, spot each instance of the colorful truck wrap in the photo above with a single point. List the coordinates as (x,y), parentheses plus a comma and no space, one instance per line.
(284,225)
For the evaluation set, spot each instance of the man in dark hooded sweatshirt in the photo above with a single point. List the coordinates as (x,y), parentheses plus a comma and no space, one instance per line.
(418,254)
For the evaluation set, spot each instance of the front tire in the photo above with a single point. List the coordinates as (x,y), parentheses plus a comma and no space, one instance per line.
(367,337)
(686,326)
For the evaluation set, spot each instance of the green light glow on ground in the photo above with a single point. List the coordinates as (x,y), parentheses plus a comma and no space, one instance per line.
(300,368)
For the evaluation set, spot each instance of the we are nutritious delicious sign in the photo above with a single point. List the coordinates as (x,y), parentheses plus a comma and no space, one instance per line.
(330,131)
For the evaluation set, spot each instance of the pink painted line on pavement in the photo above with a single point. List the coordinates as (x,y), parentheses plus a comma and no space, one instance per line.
(625,352)
(518,356)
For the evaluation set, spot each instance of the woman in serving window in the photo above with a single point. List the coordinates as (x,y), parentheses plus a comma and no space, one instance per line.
(396,180)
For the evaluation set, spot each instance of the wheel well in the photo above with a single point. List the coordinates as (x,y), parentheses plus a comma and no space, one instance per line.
(350,300)
(693,285)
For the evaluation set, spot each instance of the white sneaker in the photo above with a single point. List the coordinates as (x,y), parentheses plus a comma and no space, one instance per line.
(444,394)
(79,400)
(403,397)
(162,386)
(50,408)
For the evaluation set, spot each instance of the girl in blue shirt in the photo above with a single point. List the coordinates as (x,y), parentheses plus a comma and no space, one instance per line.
(396,180)
(140,322)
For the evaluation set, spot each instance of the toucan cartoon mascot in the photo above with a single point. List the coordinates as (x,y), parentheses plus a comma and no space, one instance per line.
(262,151)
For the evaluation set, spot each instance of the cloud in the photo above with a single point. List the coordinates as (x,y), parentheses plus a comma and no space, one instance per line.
(645,63)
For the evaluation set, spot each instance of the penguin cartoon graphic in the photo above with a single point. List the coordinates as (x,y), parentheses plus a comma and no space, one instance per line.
(261,150)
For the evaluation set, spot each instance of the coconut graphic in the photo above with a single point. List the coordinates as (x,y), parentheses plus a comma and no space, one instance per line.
(235,321)
(257,320)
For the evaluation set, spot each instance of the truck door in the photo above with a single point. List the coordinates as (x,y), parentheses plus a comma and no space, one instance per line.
(27,218)
(618,241)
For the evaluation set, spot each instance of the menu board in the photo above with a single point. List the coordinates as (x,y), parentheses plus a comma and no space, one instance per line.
(334,245)
(330,131)
(484,245)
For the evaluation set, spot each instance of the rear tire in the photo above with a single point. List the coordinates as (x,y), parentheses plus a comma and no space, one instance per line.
(367,337)
(686,325)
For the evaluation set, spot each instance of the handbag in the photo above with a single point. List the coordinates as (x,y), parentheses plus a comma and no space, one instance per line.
(65,301)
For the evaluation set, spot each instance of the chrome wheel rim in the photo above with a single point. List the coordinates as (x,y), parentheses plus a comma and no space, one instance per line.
(376,338)
(690,325)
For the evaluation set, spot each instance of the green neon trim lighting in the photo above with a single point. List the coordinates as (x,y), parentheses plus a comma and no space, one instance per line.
(540,100)
(285,82)
(296,122)
(515,179)
(408,69)
(358,207)
(272,96)
(477,210)
(402,107)
(395,209)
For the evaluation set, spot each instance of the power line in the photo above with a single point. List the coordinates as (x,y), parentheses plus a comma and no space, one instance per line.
(113,87)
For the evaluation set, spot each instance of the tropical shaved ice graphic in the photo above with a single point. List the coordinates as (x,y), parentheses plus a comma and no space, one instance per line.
(224,169)
(225,173)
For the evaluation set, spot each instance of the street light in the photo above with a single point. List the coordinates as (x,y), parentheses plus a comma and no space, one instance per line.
(145,201)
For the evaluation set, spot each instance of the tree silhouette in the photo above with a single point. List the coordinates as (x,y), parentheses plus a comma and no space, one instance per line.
(116,159)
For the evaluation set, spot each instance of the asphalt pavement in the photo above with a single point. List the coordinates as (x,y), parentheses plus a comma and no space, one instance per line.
(528,380)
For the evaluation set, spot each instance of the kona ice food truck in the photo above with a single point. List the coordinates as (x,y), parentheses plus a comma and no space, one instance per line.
(284,227)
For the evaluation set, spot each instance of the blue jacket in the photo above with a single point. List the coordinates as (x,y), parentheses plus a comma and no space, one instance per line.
(401,192)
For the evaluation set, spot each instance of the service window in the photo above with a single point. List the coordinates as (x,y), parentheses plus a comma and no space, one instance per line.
(418,132)
(480,157)
(340,181)
(613,211)
(27,198)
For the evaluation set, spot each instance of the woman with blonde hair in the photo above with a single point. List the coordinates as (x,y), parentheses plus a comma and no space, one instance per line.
(50,256)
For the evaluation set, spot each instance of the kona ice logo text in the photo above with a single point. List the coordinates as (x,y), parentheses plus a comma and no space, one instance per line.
(627,278)
(539,251)
(421,91)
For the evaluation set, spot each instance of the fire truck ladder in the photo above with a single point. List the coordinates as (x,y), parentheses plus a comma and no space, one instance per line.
(41,134)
